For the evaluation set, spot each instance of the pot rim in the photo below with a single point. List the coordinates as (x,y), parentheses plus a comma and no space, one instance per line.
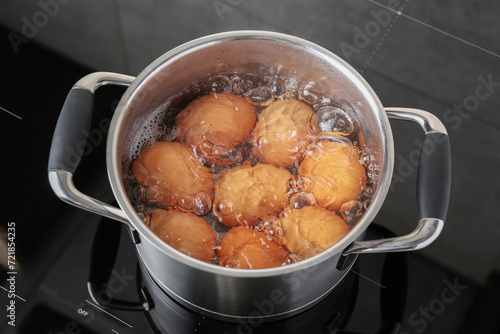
(114,174)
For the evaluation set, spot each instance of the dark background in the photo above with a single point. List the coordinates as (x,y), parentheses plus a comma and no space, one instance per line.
(434,55)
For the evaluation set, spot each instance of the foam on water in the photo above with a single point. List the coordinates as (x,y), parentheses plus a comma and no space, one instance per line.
(152,129)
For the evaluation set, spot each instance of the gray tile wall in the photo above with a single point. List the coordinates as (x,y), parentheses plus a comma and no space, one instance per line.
(432,56)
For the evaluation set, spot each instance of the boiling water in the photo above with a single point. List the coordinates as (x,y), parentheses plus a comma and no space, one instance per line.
(334,117)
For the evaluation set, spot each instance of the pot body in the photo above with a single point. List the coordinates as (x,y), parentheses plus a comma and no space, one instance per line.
(225,292)
(169,317)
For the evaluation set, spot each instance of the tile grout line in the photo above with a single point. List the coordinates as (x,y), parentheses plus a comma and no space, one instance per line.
(121,38)
(11,113)
(399,13)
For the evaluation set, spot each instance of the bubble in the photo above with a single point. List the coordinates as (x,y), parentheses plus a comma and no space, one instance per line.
(146,219)
(305,183)
(150,180)
(351,211)
(255,79)
(224,207)
(219,84)
(235,84)
(153,194)
(239,85)
(365,158)
(234,263)
(172,133)
(298,201)
(236,156)
(150,131)
(269,221)
(332,119)
(226,155)
(246,84)
(292,258)
(367,192)
(259,228)
(138,192)
(325,100)
(292,85)
(197,89)
(271,226)
(307,94)
(314,148)
(301,199)
(308,139)
(205,144)
(202,203)
(333,136)
(220,150)
(162,129)
(273,229)
(260,96)
(372,171)
(185,202)
(373,177)
(278,233)
(277,86)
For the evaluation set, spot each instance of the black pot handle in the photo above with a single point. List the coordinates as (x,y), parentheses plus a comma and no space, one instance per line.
(434,177)
(102,260)
(70,138)
(433,187)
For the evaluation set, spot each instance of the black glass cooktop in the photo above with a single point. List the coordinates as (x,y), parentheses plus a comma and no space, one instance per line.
(47,280)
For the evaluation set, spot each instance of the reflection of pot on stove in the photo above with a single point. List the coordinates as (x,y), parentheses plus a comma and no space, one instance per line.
(229,293)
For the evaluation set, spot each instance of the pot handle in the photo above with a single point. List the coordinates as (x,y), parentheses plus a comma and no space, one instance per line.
(70,135)
(433,187)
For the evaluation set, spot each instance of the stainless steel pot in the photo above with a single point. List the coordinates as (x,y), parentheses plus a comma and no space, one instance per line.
(233,293)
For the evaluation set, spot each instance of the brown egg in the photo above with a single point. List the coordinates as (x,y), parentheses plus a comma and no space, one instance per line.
(333,173)
(282,132)
(244,194)
(185,232)
(170,175)
(310,230)
(214,125)
(246,248)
